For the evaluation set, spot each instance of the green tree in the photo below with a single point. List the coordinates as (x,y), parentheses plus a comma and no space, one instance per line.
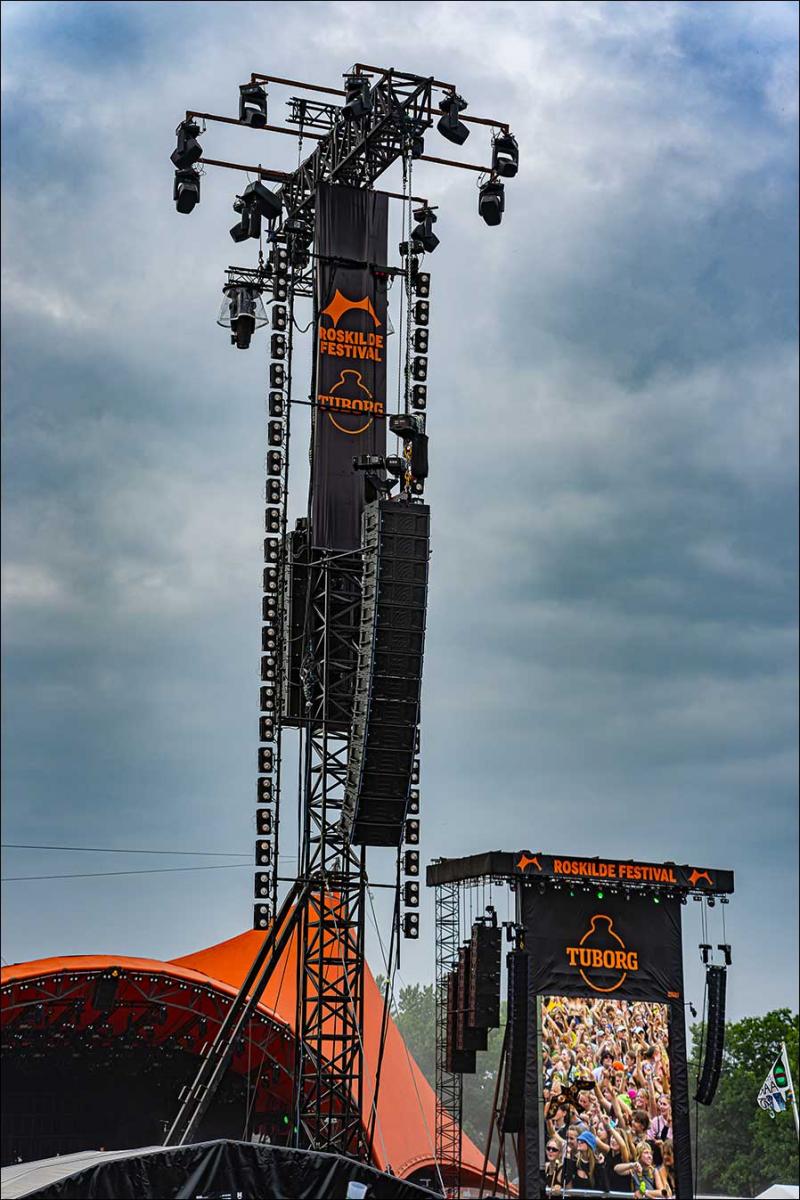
(740,1148)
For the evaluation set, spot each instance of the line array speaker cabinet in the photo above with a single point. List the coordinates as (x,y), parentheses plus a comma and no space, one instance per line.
(716,981)
(396,546)
(314,649)
(512,1101)
(467,1038)
(484,990)
(457,1062)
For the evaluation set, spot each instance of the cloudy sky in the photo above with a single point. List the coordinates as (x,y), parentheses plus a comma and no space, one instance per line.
(611,663)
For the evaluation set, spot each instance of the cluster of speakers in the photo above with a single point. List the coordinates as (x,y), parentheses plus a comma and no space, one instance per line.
(512,1099)
(716,983)
(473,998)
(274,525)
(383,764)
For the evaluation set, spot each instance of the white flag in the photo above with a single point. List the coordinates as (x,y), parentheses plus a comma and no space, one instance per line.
(775,1090)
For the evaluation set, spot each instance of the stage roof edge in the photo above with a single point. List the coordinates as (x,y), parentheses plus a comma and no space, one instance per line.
(524,865)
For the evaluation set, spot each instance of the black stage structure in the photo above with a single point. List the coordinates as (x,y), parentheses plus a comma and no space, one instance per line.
(345,590)
(575,927)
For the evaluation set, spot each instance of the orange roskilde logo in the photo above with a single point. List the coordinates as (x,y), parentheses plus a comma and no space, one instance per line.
(350,398)
(608,960)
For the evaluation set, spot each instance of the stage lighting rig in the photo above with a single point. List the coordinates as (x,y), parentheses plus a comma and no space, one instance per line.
(492,201)
(186,190)
(505,155)
(448,124)
(253,105)
(422,234)
(242,311)
(188,151)
(358,97)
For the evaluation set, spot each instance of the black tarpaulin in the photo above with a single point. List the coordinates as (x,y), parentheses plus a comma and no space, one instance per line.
(222,1170)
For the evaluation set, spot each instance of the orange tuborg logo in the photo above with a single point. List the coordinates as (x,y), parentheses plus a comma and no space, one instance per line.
(349,397)
(696,876)
(601,956)
(526,860)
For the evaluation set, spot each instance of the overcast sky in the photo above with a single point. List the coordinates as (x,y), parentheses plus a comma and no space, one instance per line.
(611,657)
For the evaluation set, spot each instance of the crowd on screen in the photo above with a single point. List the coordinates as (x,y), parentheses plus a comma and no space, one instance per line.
(606,1089)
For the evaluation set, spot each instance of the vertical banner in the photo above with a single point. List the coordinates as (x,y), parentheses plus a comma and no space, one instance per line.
(350,375)
(609,972)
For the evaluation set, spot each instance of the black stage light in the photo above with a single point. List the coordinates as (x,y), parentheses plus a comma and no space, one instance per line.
(274,462)
(358,97)
(186,190)
(411,925)
(411,894)
(269,612)
(406,425)
(492,202)
(263,853)
(263,822)
(239,231)
(261,916)
(264,791)
(277,375)
(277,405)
(273,520)
(266,758)
(268,698)
(419,369)
(280,289)
(413,802)
(422,234)
(411,862)
(421,312)
(266,729)
(242,310)
(420,280)
(268,204)
(263,883)
(280,318)
(268,639)
(412,832)
(273,491)
(275,433)
(417,486)
(420,341)
(188,150)
(505,156)
(253,105)
(269,669)
(415,771)
(278,345)
(271,579)
(448,124)
(271,550)
(419,395)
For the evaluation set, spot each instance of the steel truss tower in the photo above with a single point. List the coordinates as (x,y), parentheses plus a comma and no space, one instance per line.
(352,149)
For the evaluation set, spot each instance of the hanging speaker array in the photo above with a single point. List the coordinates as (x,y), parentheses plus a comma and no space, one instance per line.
(383,766)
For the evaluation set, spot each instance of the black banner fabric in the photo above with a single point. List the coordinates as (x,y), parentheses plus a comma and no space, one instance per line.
(219,1171)
(350,370)
(596,944)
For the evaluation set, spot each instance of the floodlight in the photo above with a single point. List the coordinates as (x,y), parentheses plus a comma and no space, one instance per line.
(186,190)
(253,105)
(505,156)
(448,124)
(492,202)
(188,150)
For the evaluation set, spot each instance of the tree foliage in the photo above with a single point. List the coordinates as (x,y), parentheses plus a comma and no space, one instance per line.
(741,1148)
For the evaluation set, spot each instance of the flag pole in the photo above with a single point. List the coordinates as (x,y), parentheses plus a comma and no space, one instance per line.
(785,1058)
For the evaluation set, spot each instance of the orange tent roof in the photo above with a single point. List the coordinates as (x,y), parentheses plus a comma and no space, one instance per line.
(404,1129)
